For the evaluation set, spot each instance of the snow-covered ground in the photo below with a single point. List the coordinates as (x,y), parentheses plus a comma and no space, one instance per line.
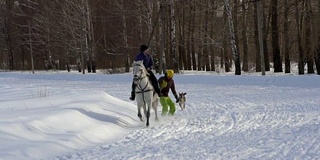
(71,116)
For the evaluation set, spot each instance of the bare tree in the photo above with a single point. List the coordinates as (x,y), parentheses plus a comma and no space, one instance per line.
(224,62)
(175,56)
(244,37)
(260,36)
(234,48)
(298,24)
(256,38)
(182,35)
(193,62)
(199,37)
(162,38)
(265,29)
(78,24)
(7,30)
(122,11)
(275,38)
(317,55)
(309,53)
(190,27)
(206,52)
(286,37)
(190,35)
(2,32)
(213,42)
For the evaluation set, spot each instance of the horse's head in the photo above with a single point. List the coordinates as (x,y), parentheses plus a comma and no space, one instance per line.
(139,71)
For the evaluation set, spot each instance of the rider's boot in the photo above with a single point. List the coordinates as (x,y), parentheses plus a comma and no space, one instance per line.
(133,94)
(157,89)
(159,92)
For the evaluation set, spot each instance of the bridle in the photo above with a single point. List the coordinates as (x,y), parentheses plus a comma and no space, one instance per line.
(137,79)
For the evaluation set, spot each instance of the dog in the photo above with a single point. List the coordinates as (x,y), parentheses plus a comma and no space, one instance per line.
(182,100)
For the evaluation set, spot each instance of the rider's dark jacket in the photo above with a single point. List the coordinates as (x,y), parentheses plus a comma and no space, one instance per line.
(147,60)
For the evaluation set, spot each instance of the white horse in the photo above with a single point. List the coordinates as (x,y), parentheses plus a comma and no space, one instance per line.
(145,94)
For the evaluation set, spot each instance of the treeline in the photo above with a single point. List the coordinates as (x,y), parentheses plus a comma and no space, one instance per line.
(206,35)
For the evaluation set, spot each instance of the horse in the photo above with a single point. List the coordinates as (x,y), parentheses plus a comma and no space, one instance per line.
(145,93)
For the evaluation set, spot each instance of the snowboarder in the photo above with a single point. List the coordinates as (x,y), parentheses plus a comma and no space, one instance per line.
(166,83)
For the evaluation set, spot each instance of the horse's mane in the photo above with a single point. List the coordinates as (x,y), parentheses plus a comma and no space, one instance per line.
(139,63)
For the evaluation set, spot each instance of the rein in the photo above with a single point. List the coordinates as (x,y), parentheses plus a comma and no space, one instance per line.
(143,89)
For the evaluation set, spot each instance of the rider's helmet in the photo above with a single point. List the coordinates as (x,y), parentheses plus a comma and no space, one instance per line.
(169,73)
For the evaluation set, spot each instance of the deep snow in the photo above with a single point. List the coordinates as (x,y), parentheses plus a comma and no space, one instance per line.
(66,116)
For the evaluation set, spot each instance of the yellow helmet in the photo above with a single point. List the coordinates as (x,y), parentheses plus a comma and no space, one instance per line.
(170,73)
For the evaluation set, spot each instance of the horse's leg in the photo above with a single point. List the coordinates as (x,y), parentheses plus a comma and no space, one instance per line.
(144,109)
(139,111)
(148,113)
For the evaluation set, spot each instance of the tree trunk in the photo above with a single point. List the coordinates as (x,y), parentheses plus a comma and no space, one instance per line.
(200,38)
(182,36)
(265,38)
(125,35)
(224,52)
(189,38)
(7,31)
(308,37)
(301,57)
(317,56)
(234,49)
(206,37)
(212,30)
(88,35)
(193,50)
(162,59)
(31,51)
(260,37)
(175,56)
(234,13)
(286,37)
(275,38)
(256,39)
(245,64)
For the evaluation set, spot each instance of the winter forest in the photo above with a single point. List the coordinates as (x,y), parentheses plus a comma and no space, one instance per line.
(200,35)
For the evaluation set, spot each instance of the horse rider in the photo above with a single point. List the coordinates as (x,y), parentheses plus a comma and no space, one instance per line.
(148,64)
(166,83)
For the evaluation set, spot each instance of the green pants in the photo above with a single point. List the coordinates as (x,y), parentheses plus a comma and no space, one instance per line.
(167,102)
